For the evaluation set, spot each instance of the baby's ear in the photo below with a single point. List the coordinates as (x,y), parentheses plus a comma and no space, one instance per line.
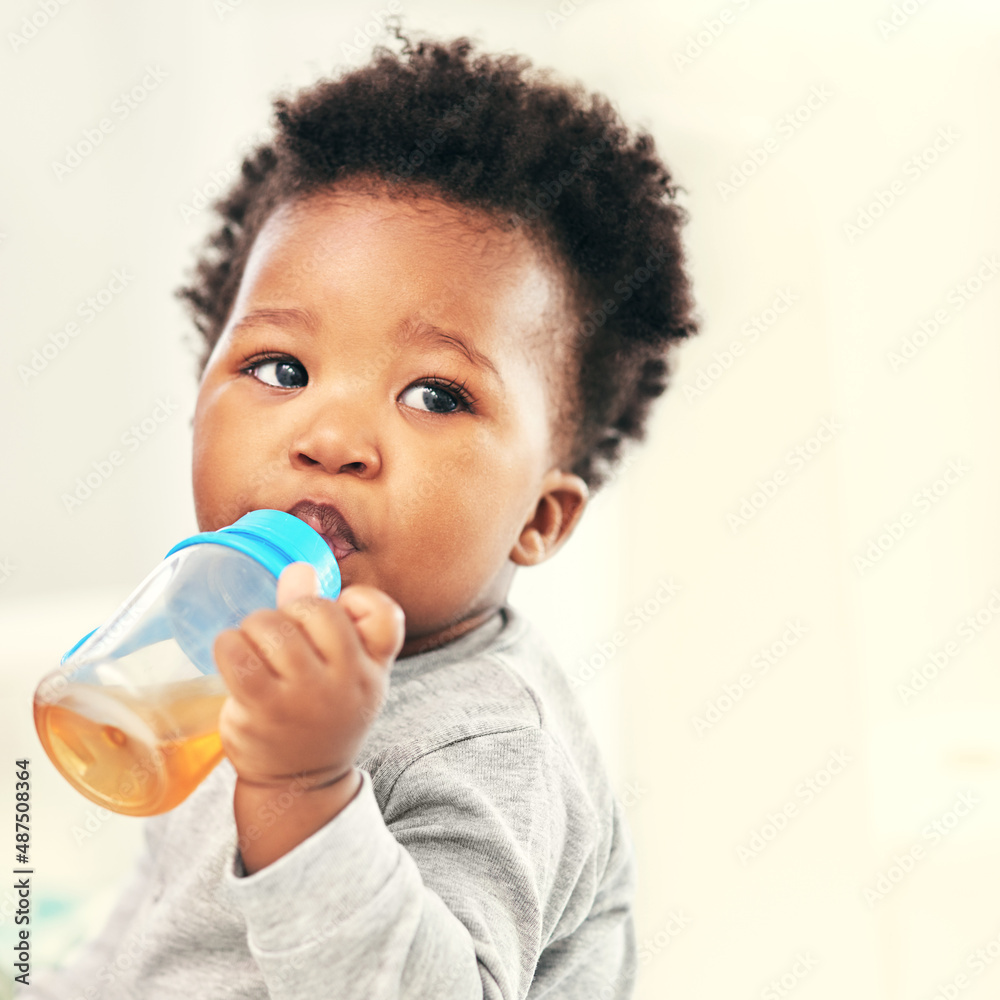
(560,503)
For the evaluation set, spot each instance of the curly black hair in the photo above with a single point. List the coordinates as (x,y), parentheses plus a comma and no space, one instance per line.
(491,133)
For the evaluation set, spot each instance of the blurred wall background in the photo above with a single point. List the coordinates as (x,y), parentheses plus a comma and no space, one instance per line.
(802,559)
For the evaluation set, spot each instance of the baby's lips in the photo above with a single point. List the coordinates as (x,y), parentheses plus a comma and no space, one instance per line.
(319,517)
(339,549)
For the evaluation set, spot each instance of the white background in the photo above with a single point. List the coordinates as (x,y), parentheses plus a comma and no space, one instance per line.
(711,923)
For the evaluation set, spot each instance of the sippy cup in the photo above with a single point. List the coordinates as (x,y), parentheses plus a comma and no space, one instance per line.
(130,718)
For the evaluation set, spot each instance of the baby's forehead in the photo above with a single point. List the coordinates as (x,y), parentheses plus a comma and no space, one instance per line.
(467,253)
(484,238)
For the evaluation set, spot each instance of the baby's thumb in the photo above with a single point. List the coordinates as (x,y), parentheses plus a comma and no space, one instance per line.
(297,579)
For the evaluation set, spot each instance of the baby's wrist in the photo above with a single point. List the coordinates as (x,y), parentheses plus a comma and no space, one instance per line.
(272,819)
(299,781)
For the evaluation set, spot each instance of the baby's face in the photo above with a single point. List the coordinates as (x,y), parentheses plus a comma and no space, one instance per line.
(397,362)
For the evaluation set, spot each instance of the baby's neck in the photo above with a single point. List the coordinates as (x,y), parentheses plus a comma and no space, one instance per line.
(441,637)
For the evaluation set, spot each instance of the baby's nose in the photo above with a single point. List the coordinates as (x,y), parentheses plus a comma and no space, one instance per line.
(337,441)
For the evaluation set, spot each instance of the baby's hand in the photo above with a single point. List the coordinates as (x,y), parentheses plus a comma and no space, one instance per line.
(305,680)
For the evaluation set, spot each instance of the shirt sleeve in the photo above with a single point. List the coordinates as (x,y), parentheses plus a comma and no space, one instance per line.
(487,848)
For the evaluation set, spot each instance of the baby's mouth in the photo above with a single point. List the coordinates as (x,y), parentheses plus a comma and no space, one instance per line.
(338,548)
(328,522)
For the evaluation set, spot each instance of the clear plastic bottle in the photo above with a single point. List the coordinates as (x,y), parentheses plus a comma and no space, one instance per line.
(130,718)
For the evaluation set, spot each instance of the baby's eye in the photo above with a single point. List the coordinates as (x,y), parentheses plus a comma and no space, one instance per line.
(435,398)
(286,374)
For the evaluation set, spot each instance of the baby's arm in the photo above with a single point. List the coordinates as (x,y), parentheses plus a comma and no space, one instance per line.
(305,681)
(486,852)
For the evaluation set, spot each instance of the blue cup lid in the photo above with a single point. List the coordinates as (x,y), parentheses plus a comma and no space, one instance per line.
(275,538)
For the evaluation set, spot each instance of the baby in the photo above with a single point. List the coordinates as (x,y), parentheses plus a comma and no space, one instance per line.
(439,302)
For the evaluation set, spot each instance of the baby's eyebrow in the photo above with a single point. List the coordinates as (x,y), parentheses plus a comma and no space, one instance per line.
(410,329)
(275,317)
(414,328)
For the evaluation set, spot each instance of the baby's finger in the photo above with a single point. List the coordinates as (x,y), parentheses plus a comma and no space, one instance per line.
(245,673)
(328,627)
(282,642)
(378,618)
(297,579)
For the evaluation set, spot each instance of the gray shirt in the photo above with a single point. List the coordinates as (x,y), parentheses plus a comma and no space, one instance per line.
(484,856)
